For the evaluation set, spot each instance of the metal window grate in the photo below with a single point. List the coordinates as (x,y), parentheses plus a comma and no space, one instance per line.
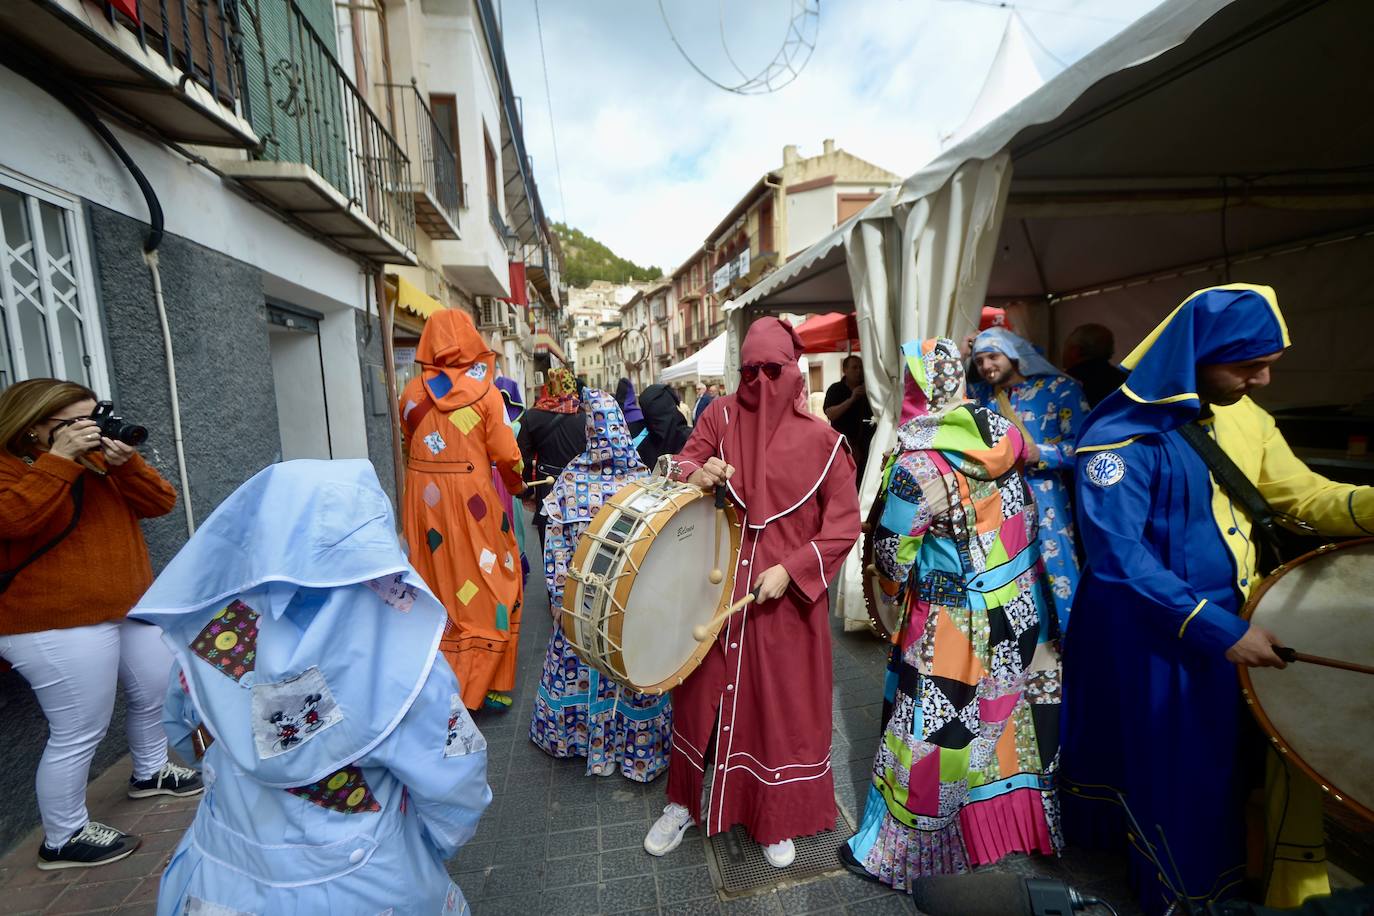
(738,867)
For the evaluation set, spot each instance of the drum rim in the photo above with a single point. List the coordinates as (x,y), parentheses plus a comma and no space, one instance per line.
(1252,700)
(869,560)
(615,617)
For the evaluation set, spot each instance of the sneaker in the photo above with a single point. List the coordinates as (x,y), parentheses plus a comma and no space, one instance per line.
(666,833)
(498,702)
(95,844)
(170,780)
(780,855)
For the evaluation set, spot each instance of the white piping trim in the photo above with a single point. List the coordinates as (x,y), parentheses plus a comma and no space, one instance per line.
(734,704)
(823,762)
(780,782)
(819,561)
(809,493)
(687,746)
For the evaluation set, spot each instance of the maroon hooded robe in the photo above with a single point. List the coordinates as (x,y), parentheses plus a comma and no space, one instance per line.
(763,691)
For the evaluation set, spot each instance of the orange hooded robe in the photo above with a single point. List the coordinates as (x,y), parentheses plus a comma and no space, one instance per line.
(461,539)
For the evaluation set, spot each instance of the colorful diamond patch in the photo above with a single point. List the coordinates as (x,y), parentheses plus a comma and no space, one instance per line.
(433,539)
(229,641)
(435,442)
(467,592)
(477,506)
(465,419)
(430,494)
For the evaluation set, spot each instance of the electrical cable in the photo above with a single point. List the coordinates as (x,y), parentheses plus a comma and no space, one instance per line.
(548,98)
(1008,5)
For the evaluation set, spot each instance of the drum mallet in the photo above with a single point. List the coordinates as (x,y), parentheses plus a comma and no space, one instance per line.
(531,484)
(718,575)
(702,633)
(1292,655)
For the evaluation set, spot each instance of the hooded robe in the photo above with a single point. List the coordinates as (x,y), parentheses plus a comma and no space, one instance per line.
(344,768)
(1152,707)
(761,697)
(964,773)
(461,538)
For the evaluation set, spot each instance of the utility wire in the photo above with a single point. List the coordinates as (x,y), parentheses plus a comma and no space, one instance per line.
(548,98)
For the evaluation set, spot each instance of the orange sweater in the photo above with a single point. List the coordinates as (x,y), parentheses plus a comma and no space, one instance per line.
(98,571)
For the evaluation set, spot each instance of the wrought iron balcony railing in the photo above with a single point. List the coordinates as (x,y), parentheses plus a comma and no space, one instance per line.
(433,163)
(196,37)
(307,110)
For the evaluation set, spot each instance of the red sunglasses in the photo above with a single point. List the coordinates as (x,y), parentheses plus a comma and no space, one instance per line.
(750,371)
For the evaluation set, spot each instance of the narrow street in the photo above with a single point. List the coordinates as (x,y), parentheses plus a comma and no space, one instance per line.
(555,840)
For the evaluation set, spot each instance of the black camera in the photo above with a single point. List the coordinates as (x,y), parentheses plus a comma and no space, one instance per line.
(112,427)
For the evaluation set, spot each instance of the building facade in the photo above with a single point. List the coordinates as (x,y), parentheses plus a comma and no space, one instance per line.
(288,187)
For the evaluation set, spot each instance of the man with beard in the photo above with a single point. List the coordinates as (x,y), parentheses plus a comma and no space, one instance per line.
(761,697)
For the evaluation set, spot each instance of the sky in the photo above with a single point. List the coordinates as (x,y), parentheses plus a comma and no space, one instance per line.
(652,155)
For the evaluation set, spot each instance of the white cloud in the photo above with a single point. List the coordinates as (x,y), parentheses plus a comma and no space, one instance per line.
(653,156)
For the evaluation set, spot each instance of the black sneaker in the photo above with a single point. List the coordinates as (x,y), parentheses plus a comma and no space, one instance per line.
(95,844)
(170,780)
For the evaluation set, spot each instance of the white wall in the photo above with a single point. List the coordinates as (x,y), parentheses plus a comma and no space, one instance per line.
(810,217)
(45,141)
(456,63)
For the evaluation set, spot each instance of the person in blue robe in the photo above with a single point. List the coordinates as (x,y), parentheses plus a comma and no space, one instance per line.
(342,767)
(1048,407)
(1153,714)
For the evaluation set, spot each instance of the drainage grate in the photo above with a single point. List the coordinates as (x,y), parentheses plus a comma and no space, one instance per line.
(738,867)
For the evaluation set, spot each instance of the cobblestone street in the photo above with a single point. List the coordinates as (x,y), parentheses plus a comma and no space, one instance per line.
(554,840)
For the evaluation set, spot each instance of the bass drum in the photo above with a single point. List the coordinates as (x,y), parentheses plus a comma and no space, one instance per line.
(1320,718)
(640,583)
(885,618)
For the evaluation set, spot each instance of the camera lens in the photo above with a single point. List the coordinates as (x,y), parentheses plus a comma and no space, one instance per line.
(130,434)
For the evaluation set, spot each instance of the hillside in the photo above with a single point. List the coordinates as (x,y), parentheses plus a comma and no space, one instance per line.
(585,259)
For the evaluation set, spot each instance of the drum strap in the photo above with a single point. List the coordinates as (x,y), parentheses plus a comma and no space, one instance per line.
(1282,535)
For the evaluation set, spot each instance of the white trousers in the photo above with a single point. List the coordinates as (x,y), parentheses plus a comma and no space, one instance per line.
(73,673)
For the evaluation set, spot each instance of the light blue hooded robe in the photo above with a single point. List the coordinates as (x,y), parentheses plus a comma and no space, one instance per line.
(345,768)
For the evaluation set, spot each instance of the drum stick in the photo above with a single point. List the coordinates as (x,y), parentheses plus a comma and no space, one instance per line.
(531,484)
(701,633)
(717,574)
(1292,655)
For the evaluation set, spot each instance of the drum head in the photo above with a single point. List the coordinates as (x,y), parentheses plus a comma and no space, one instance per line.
(1320,605)
(673,593)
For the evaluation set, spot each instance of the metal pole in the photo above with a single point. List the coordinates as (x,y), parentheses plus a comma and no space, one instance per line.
(387,312)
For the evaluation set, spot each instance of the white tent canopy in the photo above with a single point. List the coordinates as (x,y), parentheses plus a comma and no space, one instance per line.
(706,363)
(1210,139)
(1016,71)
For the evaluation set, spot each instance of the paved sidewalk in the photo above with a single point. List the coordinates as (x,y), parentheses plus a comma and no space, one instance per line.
(127,887)
(554,839)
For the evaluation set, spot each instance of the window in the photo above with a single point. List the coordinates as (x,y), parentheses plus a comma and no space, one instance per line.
(766,226)
(445,108)
(47,303)
(492,179)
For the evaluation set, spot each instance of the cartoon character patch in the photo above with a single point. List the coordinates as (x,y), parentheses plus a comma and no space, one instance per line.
(463,736)
(291,712)
(477,370)
(435,442)
(345,791)
(228,643)
(1105,469)
(395,591)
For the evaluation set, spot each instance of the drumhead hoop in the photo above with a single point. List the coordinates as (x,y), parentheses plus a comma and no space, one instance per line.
(1315,716)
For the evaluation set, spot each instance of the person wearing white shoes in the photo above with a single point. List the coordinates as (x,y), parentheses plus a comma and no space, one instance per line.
(756,711)
(72,563)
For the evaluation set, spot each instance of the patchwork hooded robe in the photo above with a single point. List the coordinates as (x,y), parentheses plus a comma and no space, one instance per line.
(461,538)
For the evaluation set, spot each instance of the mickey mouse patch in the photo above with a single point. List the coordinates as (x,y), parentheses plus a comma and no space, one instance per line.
(289,713)
(1105,469)
(463,736)
(395,591)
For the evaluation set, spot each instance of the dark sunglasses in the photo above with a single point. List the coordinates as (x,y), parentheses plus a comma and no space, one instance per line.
(750,371)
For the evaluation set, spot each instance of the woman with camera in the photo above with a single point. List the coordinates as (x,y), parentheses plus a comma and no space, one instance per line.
(72,564)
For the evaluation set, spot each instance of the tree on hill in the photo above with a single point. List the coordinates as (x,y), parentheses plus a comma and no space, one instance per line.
(585,259)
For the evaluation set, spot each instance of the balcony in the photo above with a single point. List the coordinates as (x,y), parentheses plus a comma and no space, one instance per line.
(171,68)
(433,163)
(326,160)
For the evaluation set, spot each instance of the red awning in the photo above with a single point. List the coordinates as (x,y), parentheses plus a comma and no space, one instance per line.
(836,332)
